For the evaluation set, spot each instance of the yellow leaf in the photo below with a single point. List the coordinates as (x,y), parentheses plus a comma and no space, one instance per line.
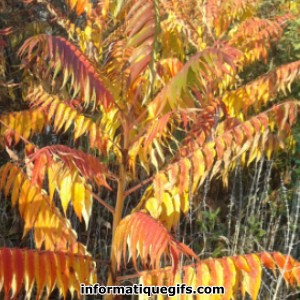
(177,206)
(16,189)
(51,181)
(65,191)
(88,203)
(153,207)
(79,127)
(167,210)
(30,214)
(70,119)
(78,197)
(190,278)
(10,180)
(198,164)
(23,199)
(203,279)
(184,202)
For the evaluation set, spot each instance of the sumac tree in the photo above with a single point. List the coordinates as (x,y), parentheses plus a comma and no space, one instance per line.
(142,96)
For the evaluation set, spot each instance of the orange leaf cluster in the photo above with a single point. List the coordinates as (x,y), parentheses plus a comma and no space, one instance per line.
(148,239)
(140,30)
(229,10)
(129,58)
(168,68)
(261,90)
(48,270)
(81,6)
(65,57)
(243,272)
(151,139)
(51,229)
(19,124)
(200,157)
(209,72)
(66,116)
(183,25)
(117,58)
(88,165)
(68,176)
(254,37)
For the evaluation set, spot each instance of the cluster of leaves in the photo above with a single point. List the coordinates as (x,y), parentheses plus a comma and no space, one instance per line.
(157,87)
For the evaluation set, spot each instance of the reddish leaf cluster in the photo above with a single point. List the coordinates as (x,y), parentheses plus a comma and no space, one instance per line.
(149,239)
(88,165)
(66,57)
(46,270)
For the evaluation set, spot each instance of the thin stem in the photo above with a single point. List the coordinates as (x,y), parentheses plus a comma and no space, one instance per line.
(120,202)
(117,219)
(101,201)
(139,185)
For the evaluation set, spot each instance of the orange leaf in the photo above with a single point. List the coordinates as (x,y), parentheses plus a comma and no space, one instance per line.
(150,238)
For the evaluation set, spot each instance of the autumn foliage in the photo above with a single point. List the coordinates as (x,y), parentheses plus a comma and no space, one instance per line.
(142,98)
